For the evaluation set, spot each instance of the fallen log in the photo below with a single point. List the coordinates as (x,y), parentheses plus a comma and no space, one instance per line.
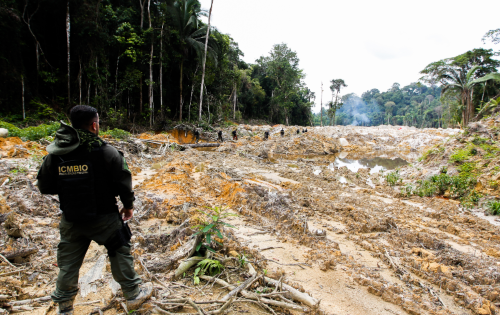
(185,251)
(19,253)
(253,296)
(201,145)
(24,302)
(294,293)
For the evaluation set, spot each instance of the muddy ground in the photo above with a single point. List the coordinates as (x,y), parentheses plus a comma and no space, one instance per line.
(313,211)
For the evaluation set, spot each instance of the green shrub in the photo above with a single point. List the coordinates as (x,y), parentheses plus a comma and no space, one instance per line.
(407,190)
(461,155)
(493,207)
(442,182)
(426,188)
(117,134)
(393,178)
(31,133)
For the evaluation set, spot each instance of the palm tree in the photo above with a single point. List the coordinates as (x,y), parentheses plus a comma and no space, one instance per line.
(463,84)
(185,15)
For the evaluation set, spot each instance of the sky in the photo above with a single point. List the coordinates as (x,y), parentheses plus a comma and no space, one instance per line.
(369,44)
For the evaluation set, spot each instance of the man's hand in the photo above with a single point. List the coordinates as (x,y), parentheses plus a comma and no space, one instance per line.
(127,214)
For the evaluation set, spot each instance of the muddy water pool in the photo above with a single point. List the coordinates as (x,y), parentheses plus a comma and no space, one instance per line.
(375,164)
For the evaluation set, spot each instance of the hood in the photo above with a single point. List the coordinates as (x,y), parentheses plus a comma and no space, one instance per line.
(66,140)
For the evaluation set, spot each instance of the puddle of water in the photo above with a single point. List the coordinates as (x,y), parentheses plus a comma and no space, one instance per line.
(375,164)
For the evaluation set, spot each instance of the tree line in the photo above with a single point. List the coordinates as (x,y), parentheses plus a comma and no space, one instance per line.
(144,62)
(451,93)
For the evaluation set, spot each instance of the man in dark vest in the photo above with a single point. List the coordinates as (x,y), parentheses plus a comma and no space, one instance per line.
(266,135)
(196,135)
(235,136)
(219,136)
(282,132)
(87,174)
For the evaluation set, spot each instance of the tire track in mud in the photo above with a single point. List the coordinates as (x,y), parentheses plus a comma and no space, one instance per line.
(353,254)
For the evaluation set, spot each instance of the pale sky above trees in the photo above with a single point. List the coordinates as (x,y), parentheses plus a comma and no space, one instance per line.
(370,44)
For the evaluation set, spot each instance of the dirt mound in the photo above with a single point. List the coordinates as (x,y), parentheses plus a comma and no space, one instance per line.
(14,147)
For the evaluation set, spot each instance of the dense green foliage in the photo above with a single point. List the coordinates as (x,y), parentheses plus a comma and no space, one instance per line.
(30,133)
(138,62)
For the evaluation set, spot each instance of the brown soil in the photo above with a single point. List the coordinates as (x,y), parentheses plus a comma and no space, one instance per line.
(359,248)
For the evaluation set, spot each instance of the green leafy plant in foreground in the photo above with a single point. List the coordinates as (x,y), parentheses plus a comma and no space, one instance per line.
(212,226)
(207,266)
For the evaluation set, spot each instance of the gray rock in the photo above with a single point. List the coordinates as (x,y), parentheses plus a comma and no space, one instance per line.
(4,133)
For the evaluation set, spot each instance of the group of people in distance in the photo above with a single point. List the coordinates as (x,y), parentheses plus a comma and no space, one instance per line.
(235,135)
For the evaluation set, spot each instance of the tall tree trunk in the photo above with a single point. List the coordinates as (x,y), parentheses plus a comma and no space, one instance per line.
(180,92)
(140,95)
(151,105)
(321,104)
(142,3)
(22,96)
(192,91)
(69,56)
(116,78)
(161,69)
(234,102)
(205,59)
(484,90)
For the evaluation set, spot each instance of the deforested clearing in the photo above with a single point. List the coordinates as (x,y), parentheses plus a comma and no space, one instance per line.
(320,226)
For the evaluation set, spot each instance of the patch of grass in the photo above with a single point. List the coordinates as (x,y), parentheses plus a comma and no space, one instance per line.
(460,187)
(434,150)
(393,178)
(462,155)
(19,170)
(468,169)
(493,207)
(117,134)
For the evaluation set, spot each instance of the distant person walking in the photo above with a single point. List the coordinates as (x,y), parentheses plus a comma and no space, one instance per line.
(305,130)
(266,135)
(298,131)
(282,132)
(219,136)
(196,136)
(235,136)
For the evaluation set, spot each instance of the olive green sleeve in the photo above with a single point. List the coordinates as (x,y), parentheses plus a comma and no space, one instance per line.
(47,179)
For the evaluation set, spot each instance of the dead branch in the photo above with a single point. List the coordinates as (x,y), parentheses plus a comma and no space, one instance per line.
(239,288)
(8,262)
(253,296)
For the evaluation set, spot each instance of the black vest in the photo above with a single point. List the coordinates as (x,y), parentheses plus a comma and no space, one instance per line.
(85,185)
